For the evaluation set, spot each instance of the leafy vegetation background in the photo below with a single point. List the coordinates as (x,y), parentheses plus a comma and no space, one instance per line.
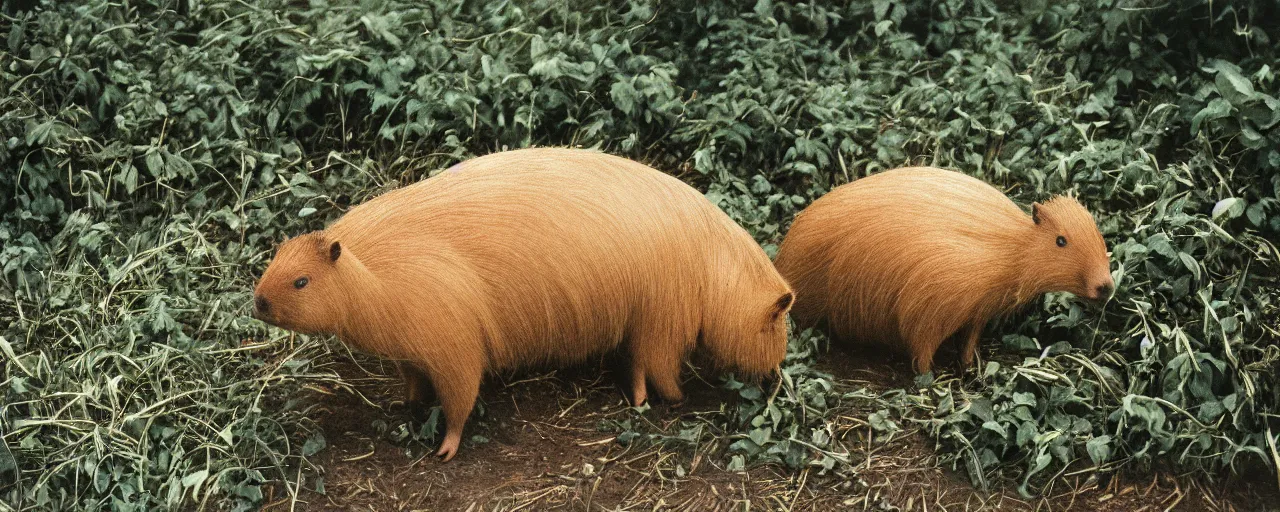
(152,151)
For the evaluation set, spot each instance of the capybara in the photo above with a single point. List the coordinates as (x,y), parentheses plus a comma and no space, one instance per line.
(910,257)
(534,257)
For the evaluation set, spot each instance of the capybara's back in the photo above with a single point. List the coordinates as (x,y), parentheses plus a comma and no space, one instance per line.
(912,256)
(552,256)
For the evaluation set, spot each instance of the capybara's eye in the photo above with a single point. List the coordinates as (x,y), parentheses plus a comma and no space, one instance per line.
(1062,242)
(302,281)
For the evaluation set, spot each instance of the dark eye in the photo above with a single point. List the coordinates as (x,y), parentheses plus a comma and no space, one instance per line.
(302,281)
(1062,241)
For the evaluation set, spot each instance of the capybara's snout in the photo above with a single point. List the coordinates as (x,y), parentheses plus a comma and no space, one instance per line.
(261,308)
(1103,292)
(1098,288)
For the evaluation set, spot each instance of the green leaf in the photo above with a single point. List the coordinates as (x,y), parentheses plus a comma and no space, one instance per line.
(537,48)
(195,479)
(1232,207)
(882,27)
(981,408)
(1232,85)
(1026,433)
(1218,108)
(1264,114)
(313,445)
(1160,244)
(7,463)
(38,133)
(760,436)
(273,120)
(881,8)
(763,9)
(1252,139)
(1256,214)
(624,96)
(155,163)
(1099,449)
(1191,264)
(880,421)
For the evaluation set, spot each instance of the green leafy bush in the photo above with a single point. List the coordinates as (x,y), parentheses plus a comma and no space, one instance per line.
(152,152)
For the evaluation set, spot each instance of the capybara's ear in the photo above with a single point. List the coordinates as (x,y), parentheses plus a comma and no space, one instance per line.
(1035,212)
(783,305)
(335,250)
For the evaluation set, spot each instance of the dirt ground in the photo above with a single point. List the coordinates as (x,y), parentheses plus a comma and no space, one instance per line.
(548,444)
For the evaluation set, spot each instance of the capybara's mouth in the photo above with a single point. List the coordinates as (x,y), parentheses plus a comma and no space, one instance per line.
(258,315)
(1096,299)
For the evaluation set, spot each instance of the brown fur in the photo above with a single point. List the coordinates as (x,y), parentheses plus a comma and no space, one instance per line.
(535,257)
(912,256)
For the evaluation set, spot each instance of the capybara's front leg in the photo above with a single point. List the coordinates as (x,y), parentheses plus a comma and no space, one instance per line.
(457,389)
(922,350)
(972,334)
(662,368)
(638,392)
(417,387)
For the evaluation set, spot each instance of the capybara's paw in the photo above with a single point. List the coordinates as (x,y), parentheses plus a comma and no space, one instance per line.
(449,447)
(672,396)
(639,397)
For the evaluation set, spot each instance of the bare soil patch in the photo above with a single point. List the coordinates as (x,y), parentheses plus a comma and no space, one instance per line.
(548,441)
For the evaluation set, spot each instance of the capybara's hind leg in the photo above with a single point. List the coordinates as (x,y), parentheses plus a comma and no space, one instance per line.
(457,389)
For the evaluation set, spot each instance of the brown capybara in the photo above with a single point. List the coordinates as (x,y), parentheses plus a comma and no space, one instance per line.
(534,257)
(912,256)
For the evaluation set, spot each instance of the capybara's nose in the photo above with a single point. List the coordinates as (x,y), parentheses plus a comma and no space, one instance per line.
(1104,291)
(262,305)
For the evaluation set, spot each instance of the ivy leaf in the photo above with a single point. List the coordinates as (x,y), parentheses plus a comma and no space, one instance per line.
(1232,85)
(1218,108)
(1099,449)
(624,96)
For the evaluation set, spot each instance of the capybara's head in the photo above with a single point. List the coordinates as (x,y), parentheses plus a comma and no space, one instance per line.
(757,342)
(1067,251)
(300,290)
(775,327)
